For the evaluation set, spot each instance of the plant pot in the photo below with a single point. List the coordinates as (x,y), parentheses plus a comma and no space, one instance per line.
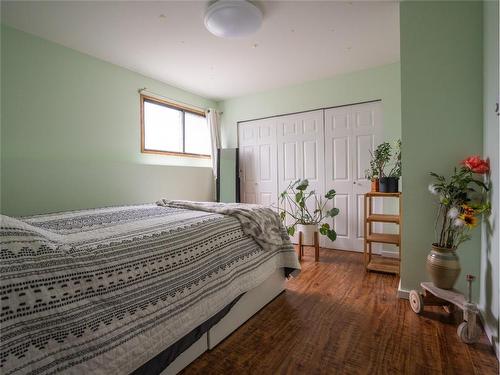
(375,185)
(389,185)
(307,233)
(443,266)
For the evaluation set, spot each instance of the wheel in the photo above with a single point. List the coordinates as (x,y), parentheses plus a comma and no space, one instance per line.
(468,334)
(416,302)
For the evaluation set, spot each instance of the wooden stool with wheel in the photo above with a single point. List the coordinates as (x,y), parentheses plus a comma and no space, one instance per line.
(468,330)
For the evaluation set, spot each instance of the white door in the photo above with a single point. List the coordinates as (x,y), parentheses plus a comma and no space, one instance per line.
(351,132)
(258,174)
(301,151)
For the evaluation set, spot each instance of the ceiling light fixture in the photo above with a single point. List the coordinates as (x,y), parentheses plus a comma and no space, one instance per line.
(233,18)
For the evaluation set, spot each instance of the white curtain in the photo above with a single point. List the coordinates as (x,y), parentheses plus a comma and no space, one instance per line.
(213,118)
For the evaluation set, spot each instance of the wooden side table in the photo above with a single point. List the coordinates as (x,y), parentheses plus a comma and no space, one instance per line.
(316,246)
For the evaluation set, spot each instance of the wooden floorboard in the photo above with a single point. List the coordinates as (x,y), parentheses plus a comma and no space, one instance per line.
(336,319)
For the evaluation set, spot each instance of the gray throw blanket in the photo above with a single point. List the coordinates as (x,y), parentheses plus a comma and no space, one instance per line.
(259,222)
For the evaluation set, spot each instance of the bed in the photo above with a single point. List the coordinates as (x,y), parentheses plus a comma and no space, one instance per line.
(133,289)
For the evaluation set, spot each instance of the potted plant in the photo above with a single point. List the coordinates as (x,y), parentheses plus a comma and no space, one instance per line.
(380,157)
(391,181)
(372,175)
(306,211)
(462,201)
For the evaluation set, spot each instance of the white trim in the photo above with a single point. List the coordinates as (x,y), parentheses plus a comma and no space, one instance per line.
(152,94)
(403,293)
(489,334)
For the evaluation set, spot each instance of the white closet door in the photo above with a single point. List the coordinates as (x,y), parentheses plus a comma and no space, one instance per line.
(351,132)
(258,174)
(301,151)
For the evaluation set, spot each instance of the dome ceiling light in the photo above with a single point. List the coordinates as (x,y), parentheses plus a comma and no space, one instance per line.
(233,18)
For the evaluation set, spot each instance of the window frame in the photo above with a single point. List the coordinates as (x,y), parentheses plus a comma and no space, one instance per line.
(179,107)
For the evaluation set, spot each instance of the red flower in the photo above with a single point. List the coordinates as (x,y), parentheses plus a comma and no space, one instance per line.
(476,164)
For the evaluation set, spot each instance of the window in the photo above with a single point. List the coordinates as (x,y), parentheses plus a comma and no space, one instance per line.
(170,129)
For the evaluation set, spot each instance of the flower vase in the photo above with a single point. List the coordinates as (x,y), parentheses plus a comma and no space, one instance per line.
(443,266)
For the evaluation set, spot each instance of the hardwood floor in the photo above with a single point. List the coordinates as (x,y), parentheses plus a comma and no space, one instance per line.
(337,319)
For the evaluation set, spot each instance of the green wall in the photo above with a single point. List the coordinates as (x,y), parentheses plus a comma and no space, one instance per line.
(490,261)
(376,83)
(70,133)
(441,109)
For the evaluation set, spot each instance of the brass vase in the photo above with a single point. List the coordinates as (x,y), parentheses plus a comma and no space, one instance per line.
(443,266)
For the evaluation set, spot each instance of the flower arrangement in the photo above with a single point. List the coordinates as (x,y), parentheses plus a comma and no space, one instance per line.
(462,200)
(293,202)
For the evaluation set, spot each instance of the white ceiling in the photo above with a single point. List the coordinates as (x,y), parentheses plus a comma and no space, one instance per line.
(299,40)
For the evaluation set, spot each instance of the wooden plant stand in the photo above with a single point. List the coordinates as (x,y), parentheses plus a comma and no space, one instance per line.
(379,263)
(468,331)
(316,246)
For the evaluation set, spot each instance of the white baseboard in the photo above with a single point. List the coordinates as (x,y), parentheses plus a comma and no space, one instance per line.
(490,334)
(403,293)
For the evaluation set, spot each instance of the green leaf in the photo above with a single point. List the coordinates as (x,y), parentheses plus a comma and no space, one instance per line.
(333,212)
(330,194)
(325,227)
(480,183)
(299,196)
(332,235)
(291,231)
(282,215)
(303,185)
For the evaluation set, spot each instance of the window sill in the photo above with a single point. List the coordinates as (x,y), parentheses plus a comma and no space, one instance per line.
(176,154)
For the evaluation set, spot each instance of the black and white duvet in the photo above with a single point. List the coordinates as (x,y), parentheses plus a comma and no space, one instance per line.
(103,291)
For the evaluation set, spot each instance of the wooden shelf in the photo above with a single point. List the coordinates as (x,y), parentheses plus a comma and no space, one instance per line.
(383,238)
(375,262)
(379,194)
(381,264)
(380,218)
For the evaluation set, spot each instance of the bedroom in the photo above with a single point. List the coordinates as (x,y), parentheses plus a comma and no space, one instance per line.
(78,82)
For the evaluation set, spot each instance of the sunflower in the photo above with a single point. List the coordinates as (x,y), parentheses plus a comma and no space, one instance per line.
(469,220)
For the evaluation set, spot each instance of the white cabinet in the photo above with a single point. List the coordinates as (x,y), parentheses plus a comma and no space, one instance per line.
(351,133)
(331,148)
(258,162)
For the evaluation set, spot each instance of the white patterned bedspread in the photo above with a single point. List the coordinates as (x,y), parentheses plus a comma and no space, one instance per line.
(103,291)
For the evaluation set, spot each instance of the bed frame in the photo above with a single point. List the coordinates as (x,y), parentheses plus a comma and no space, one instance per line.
(248,305)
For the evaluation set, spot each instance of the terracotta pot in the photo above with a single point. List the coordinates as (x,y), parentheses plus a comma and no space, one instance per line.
(307,233)
(443,266)
(375,185)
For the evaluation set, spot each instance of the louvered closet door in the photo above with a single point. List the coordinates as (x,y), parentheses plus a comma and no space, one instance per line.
(258,175)
(301,150)
(351,132)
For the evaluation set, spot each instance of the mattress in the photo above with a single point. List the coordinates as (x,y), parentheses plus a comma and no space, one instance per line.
(103,291)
